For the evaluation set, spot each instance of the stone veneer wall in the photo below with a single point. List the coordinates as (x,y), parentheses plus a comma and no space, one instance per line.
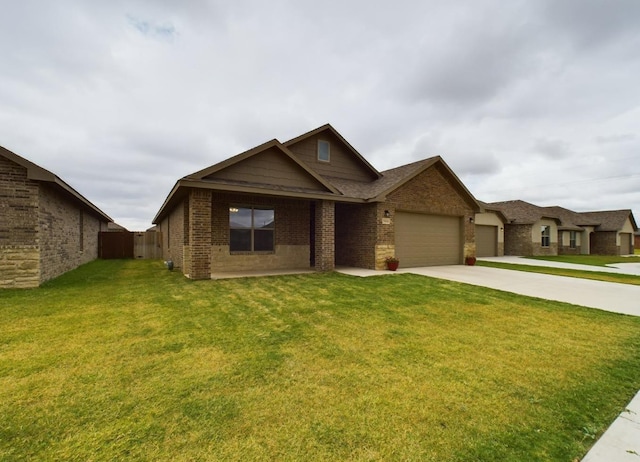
(43,231)
(19,252)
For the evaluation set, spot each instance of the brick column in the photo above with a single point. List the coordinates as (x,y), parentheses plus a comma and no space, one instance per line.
(325,236)
(200,233)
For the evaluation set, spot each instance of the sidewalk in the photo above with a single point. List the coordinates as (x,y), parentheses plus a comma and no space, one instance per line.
(621,441)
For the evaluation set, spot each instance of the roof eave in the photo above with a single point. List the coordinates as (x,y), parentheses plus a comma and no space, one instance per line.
(185,183)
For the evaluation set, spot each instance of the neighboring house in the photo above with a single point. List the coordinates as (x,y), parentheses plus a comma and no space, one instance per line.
(530,230)
(636,244)
(46,226)
(315,202)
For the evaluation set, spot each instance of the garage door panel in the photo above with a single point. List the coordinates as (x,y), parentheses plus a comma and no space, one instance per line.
(486,241)
(625,243)
(427,240)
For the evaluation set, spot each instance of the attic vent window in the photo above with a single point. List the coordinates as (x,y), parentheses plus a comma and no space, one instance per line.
(324,151)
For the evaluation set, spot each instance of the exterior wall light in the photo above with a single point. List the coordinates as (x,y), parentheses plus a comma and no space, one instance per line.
(387,214)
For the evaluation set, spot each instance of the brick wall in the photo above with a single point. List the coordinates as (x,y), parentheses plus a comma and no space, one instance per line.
(291,234)
(517,240)
(200,234)
(604,243)
(431,192)
(325,236)
(356,234)
(174,236)
(68,236)
(19,253)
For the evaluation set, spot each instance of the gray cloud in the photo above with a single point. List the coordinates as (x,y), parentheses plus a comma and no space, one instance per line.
(527,99)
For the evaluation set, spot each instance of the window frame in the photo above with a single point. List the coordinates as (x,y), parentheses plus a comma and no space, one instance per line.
(545,236)
(252,230)
(573,239)
(328,144)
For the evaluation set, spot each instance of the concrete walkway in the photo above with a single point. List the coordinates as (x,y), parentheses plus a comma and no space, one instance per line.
(621,441)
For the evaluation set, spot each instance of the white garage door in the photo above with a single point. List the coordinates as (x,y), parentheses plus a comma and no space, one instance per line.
(427,240)
(486,241)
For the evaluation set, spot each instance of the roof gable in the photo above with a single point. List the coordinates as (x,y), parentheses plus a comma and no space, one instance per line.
(400,176)
(270,164)
(345,162)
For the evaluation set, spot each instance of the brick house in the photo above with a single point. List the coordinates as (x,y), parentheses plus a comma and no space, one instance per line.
(46,226)
(315,202)
(530,230)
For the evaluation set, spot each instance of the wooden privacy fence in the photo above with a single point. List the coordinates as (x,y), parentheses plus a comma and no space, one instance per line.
(125,244)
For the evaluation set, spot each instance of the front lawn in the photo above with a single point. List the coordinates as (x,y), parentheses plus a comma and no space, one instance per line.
(124,360)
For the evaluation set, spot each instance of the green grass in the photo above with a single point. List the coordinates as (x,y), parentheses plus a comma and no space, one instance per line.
(594,260)
(593,275)
(126,360)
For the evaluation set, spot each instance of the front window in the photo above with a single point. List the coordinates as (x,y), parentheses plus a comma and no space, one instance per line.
(572,239)
(546,235)
(251,229)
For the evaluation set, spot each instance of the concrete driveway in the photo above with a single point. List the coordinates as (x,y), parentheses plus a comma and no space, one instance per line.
(618,298)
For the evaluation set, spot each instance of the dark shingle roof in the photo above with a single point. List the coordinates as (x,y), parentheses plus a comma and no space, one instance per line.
(610,220)
(389,180)
(521,212)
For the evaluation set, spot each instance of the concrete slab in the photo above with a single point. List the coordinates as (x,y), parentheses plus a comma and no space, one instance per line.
(259,273)
(621,441)
(618,298)
(617,268)
(362,272)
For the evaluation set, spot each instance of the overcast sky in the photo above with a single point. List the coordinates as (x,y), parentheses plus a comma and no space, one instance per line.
(524,99)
